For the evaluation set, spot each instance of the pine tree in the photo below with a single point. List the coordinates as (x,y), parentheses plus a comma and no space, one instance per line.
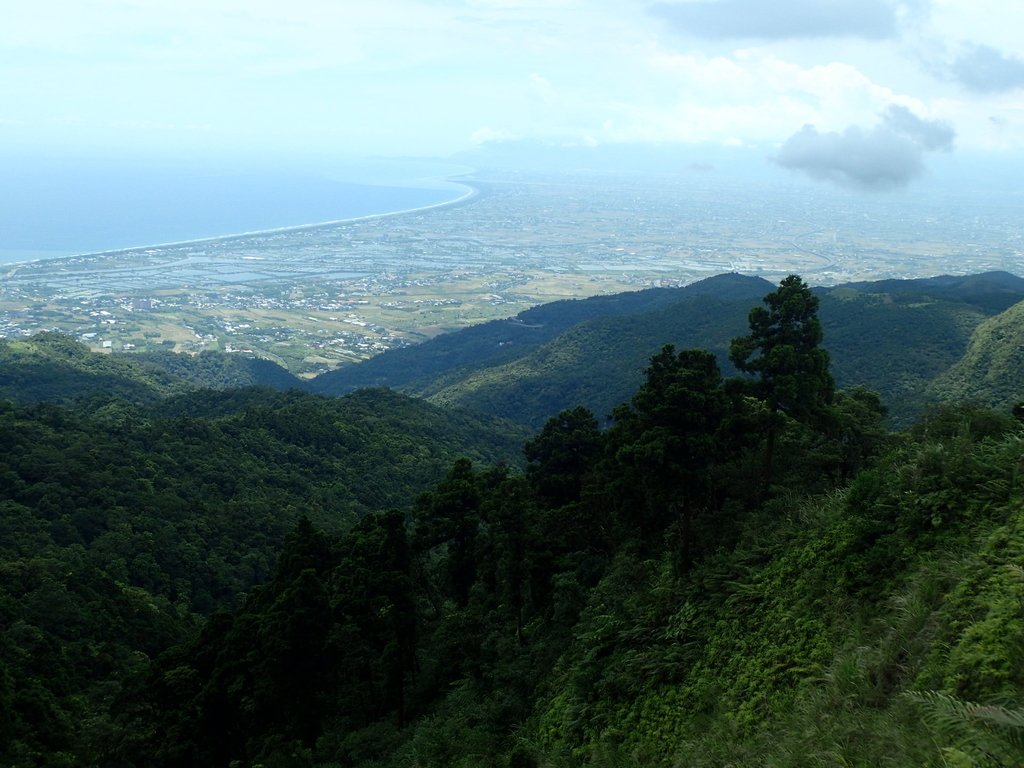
(783,351)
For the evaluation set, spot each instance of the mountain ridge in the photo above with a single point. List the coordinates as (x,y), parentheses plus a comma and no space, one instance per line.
(894,336)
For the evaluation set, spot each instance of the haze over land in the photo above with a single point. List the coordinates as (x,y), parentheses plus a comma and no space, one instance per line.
(877,96)
(314,298)
(616,145)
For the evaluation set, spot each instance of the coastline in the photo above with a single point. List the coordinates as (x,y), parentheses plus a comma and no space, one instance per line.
(471,192)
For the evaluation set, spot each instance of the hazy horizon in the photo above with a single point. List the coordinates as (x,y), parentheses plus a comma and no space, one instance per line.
(60,209)
(56,210)
(871,97)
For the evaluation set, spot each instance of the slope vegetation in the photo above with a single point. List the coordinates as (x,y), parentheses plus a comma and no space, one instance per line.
(53,367)
(892,336)
(120,526)
(419,369)
(991,371)
(737,571)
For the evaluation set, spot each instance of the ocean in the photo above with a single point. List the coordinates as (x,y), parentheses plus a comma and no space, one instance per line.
(56,209)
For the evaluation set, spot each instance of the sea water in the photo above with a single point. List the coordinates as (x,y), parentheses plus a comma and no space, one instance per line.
(52,209)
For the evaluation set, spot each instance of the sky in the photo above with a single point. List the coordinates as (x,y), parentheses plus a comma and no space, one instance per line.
(871,95)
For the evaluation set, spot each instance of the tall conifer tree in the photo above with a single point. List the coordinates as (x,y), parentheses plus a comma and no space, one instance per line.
(783,351)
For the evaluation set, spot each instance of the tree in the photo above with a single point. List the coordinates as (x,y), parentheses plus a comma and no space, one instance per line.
(669,436)
(562,454)
(783,351)
(448,519)
(375,591)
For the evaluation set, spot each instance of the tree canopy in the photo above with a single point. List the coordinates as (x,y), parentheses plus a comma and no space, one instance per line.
(263,579)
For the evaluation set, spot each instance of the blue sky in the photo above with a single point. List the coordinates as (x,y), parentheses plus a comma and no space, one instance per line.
(868,94)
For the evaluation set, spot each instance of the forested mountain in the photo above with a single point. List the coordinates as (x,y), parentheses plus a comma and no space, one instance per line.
(893,336)
(896,344)
(991,372)
(217,370)
(122,525)
(737,570)
(418,369)
(53,367)
(991,292)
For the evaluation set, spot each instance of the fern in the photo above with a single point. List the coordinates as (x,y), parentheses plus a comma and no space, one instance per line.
(975,734)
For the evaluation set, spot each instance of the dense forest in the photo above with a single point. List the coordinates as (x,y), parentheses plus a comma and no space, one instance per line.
(739,564)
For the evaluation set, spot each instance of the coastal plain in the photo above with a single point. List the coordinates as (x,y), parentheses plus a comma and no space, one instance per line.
(317,297)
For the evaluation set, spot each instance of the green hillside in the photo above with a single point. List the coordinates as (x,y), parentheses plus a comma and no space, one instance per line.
(893,343)
(896,343)
(991,292)
(53,367)
(596,363)
(991,371)
(121,526)
(420,368)
(736,571)
(217,370)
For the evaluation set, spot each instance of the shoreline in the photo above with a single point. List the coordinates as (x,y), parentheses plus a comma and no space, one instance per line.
(470,193)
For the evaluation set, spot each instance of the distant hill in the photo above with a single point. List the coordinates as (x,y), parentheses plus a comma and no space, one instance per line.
(893,336)
(597,363)
(361,435)
(420,368)
(53,367)
(990,292)
(217,370)
(896,343)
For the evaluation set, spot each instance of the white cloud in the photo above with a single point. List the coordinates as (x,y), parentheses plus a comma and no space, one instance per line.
(888,156)
(543,88)
(419,76)
(766,95)
(985,69)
